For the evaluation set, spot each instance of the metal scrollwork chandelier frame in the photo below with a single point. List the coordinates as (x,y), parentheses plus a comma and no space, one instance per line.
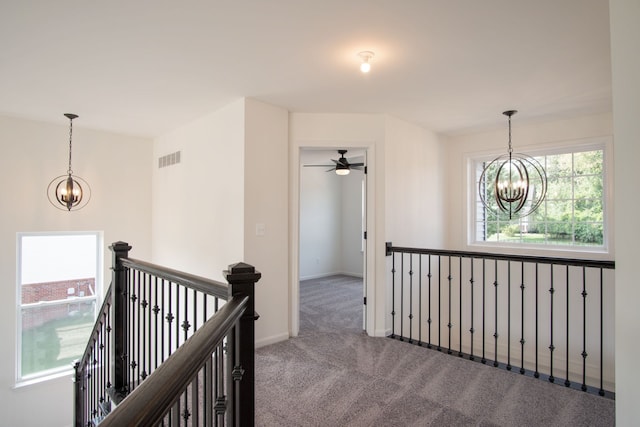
(512,185)
(69,192)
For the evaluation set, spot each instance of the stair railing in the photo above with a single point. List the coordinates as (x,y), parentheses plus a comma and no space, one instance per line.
(152,321)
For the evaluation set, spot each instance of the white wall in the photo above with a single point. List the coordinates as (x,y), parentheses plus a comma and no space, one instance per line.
(625,33)
(266,204)
(320,220)
(524,137)
(198,204)
(414,209)
(118,168)
(208,208)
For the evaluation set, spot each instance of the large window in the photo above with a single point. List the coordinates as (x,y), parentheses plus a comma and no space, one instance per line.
(573,214)
(58,288)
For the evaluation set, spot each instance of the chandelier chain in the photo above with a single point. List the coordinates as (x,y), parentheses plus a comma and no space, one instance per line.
(69,171)
(510,149)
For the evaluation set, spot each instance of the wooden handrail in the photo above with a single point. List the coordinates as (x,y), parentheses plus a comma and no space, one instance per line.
(153,398)
(504,257)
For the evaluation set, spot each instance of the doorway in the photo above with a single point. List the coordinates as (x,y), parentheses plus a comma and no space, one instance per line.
(332,217)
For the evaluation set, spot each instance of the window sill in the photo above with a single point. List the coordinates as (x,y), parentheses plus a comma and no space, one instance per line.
(40,379)
(592,253)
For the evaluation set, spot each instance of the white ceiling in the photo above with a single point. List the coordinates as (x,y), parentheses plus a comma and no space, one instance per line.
(452,66)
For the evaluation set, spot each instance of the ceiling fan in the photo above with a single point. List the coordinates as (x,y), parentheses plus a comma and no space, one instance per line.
(342,166)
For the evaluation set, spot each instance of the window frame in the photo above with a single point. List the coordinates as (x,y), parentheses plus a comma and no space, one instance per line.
(34,378)
(603,143)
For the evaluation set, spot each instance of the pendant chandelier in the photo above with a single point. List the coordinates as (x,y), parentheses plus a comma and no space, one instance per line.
(69,192)
(512,185)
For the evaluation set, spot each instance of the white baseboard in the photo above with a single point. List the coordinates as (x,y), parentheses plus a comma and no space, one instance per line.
(271,340)
(382,332)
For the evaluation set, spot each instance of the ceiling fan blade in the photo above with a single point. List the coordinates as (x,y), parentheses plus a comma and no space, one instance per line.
(356,164)
(331,170)
(358,168)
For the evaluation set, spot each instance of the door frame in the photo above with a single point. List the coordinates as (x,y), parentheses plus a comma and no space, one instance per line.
(294,230)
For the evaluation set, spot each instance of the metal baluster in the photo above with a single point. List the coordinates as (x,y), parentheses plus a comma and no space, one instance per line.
(471,330)
(136,321)
(393,295)
(410,298)
(185,323)
(92,385)
(429,275)
(145,316)
(601,391)
(156,310)
(169,318)
(460,308)
(101,363)
(536,373)
(484,274)
(508,315)
(130,330)
(567,383)
(420,299)
(208,398)
(584,329)
(522,340)
(186,413)
(185,327)
(402,297)
(220,392)
(195,310)
(195,401)
(177,322)
(495,333)
(551,346)
(449,324)
(109,340)
(175,412)
(439,348)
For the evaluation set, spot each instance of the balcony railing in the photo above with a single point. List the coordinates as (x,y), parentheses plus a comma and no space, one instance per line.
(549,318)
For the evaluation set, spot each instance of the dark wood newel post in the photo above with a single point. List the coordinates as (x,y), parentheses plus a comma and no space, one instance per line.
(119,303)
(242,279)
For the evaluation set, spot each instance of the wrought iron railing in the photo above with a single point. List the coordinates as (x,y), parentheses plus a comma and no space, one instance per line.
(549,318)
(169,346)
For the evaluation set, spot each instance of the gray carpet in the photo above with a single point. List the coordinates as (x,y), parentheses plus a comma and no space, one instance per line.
(333,374)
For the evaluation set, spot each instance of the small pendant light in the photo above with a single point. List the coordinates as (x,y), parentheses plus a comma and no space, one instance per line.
(69,192)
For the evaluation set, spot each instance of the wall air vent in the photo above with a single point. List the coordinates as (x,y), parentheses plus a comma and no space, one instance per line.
(169,159)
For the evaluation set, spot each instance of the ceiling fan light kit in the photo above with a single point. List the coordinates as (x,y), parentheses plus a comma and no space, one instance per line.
(342,166)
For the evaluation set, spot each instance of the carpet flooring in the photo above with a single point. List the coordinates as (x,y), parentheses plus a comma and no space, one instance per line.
(333,374)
